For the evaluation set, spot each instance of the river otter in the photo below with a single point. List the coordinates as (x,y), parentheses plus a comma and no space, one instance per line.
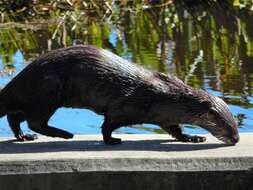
(96,79)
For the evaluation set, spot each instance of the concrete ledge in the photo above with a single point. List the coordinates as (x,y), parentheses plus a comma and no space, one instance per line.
(141,162)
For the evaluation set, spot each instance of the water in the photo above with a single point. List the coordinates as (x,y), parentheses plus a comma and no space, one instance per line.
(205,46)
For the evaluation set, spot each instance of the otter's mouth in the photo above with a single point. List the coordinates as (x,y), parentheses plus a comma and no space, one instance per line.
(215,132)
(228,141)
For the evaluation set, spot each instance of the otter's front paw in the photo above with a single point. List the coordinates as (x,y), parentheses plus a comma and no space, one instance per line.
(194,139)
(112,141)
(27,137)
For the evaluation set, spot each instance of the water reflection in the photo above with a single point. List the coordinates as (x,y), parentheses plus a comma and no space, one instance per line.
(207,45)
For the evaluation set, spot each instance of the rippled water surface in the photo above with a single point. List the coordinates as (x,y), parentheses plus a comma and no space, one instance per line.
(207,46)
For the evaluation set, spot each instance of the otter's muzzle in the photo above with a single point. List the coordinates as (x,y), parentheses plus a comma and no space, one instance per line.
(232,141)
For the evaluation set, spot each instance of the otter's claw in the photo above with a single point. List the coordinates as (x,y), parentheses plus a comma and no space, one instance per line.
(194,139)
(27,137)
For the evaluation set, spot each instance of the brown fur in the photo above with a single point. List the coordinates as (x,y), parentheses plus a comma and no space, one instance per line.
(92,78)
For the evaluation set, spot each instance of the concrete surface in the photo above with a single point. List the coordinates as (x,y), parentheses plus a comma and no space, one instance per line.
(140,162)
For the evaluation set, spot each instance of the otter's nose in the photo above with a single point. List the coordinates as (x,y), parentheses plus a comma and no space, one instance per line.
(235,139)
(232,141)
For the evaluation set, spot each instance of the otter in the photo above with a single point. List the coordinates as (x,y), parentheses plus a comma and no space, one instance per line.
(85,76)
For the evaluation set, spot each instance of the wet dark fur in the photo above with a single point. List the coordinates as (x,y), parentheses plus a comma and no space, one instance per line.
(88,77)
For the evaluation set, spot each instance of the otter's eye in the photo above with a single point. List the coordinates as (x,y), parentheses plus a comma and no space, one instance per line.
(212,111)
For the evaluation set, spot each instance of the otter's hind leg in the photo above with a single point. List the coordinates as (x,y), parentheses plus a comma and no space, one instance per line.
(37,121)
(107,129)
(14,120)
(43,128)
(176,131)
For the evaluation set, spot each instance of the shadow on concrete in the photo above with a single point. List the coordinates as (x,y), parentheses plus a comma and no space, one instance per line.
(13,147)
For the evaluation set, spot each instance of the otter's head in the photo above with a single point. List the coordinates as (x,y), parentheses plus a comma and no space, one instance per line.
(219,121)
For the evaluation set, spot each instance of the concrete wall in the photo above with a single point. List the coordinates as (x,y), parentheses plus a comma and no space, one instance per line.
(218,180)
(141,162)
